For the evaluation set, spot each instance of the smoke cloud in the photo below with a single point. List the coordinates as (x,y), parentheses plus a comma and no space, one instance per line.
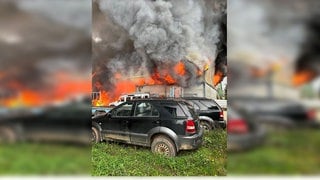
(145,37)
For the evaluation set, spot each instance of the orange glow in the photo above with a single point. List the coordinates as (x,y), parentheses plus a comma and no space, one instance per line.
(302,77)
(117,76)
(217,78)
(65,87)
(165,76)
(24,98)
(69,88)
(122,87)
(180,69)
(169,79)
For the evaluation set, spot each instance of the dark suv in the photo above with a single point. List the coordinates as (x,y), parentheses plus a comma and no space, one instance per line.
(210,113)
(167,126)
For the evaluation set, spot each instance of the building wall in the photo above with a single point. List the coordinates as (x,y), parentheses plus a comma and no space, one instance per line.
(197,90)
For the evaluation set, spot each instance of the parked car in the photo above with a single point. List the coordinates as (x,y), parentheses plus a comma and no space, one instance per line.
(64,123)
(167,126)
(276,113)
(129,97)
(243,132)
(210,113)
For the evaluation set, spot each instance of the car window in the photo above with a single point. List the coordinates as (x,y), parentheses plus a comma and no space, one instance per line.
(174,110)
(188,109)
(195,106)
(123,110)
(201,106)
(145,109)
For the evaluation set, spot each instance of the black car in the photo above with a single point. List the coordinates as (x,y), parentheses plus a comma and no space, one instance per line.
(100,110)
(69,122)
(276,113)
(210,113)
(167,126)
(243,131)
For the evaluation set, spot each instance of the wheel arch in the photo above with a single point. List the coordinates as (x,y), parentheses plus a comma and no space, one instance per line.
(163,131)
(207,119)
(98,127)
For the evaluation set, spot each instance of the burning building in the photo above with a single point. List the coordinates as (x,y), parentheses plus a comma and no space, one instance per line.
(43,59)
(167,47)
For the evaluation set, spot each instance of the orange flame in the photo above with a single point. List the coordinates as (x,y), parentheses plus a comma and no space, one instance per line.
(302,77)
(217,78)
(120,88)
(66,88)
(125,86)
(180,69)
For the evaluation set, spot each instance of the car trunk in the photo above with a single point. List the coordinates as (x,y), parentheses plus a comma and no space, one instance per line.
(188,110)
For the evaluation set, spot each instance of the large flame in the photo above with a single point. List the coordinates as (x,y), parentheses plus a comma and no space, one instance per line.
(65,87)
(121,87)
(125,86)
(302,77)
(180,69)
(217,78)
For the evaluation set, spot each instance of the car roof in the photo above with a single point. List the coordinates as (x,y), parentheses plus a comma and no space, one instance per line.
(160,99)
(196,98)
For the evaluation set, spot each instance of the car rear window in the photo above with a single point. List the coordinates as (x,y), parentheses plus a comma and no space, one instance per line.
(174,109)
(200,105)
(188,109)
(209,104)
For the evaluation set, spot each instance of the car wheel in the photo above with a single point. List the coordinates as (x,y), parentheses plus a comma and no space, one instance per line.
(95,135)
(163,145)
(7,135)
(206,126)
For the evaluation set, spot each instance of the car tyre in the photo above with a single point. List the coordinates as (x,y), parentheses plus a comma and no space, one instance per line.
(206,126)
(163,145)
(95,135)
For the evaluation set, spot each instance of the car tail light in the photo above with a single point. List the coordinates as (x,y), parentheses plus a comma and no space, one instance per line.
(311,114)
(190,127)
(221,114)
(237,126)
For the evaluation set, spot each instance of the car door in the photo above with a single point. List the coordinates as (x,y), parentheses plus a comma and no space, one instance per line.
(115,127)
(146,116)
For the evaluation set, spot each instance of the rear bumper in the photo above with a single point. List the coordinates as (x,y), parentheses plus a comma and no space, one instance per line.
(191,142)
(238,142)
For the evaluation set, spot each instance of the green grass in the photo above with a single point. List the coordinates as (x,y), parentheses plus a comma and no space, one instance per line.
(288,152)
(44,159)
(112,159)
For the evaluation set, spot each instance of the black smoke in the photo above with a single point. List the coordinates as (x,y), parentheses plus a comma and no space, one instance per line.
(143,37)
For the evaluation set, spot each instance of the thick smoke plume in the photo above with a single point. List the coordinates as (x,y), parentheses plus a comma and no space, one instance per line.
(308,61)
(147,37)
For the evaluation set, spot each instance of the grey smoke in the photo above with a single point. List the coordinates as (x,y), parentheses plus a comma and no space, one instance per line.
(162,34)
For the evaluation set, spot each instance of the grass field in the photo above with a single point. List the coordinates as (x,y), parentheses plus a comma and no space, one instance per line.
(113,159)
(44,159)
(285,153)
